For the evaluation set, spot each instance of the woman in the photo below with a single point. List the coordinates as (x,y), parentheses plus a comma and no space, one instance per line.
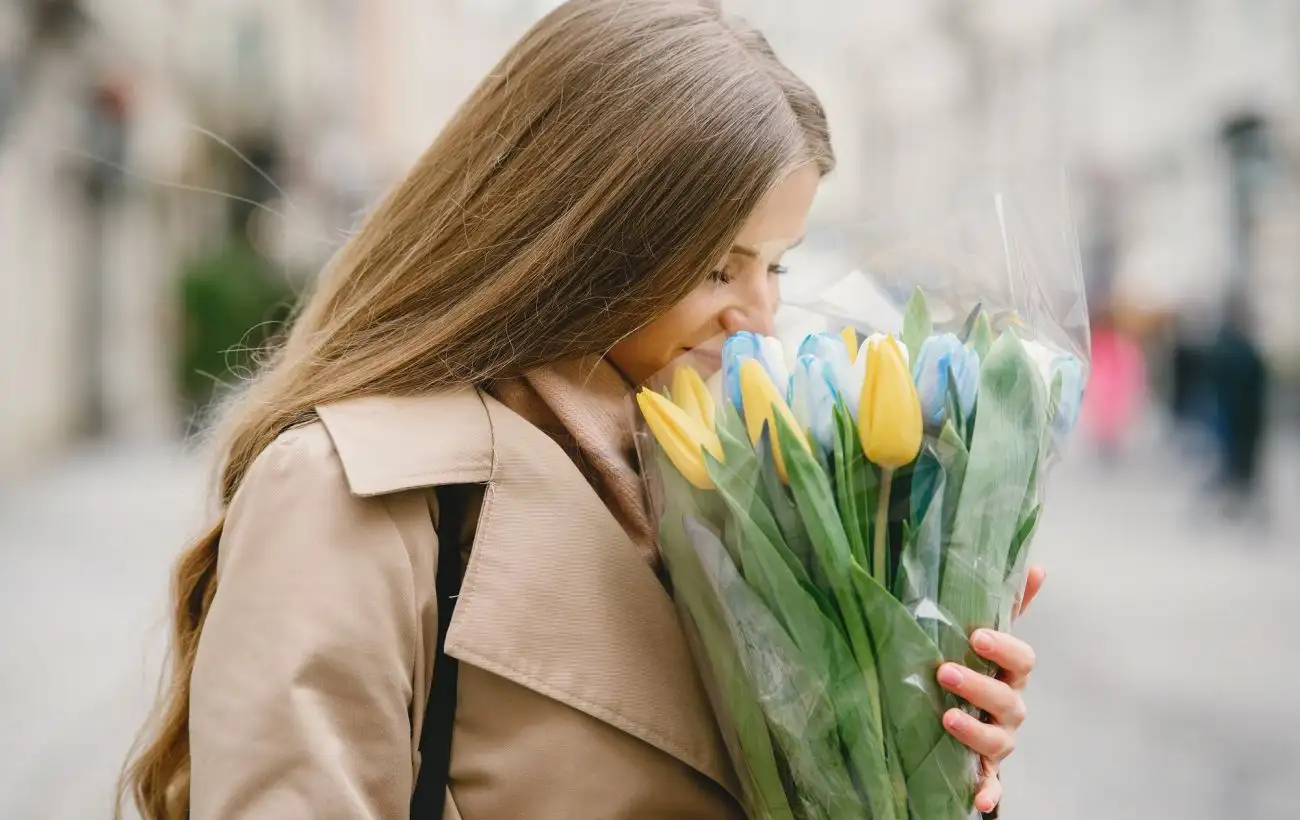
(619,190)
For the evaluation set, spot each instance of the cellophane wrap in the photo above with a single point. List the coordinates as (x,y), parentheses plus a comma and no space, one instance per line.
(820,589)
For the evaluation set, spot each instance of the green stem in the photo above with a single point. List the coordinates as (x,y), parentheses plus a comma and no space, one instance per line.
(882,527)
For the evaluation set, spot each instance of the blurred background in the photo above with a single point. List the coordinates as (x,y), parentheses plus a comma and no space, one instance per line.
(171,173)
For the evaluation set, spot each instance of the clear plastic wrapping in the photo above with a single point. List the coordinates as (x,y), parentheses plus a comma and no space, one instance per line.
(839,511)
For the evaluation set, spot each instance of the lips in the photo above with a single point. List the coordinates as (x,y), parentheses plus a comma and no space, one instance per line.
(704,359)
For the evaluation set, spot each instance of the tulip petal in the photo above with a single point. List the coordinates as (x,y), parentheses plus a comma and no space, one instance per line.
(890,424)
(690,392)
(773,358)
(762,403)
(682,437)
(945,364)
(738,348)
(813,398)
(850,339)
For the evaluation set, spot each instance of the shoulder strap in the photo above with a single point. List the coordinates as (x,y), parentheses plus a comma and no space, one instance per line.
(429,798)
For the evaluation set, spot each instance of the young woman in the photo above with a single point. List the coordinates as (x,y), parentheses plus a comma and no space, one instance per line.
(619,190)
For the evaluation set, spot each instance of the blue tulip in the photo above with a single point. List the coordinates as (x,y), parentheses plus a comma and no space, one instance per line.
(945,363)
(825,346)
(735,351)
(746,345)
(1070,371)
(829,349)
(813,395)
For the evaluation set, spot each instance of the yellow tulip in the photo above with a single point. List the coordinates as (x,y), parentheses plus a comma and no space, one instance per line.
(850,337)
(693,396)
(683,437)
(762,402)
(889,415)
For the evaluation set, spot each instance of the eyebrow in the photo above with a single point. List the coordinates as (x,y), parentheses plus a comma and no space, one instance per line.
(753,253)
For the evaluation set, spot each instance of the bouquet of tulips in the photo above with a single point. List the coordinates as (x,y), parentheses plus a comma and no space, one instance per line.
(834,526)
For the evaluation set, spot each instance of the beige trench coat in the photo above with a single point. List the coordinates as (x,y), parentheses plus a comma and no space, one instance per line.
(578,699)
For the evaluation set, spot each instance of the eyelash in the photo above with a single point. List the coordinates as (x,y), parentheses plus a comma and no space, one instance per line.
(724,278)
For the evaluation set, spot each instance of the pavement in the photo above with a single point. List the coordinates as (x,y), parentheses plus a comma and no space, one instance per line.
(1167,662)
(85,548)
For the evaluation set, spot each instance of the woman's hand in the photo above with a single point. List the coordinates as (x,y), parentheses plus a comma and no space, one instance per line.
(999,698)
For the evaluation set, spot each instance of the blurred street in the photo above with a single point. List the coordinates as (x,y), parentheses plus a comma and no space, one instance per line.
(1163,638)
(85,546)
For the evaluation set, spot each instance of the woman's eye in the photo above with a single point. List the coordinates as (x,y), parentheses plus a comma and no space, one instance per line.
(778,270)
(721,277)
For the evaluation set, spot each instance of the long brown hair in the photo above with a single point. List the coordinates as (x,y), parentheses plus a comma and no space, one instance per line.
(587,185)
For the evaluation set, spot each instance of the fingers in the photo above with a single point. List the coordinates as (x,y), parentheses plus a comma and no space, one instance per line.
(1033,583)
(1013,656)
(1002,703)
(989,794)
(984,739)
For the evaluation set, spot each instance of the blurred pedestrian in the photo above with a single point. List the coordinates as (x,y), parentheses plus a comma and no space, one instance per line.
(1116,387)
(1240,378)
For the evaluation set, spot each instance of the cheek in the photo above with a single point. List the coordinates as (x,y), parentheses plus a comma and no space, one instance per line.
(691,322)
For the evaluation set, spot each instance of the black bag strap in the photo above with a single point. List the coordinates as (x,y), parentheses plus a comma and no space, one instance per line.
(429,798)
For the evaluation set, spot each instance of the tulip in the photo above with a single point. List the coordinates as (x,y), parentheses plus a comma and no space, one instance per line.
(852,383)
(693,396)
(737,349)
(943,359)
(828,348)
(1043,357)
(683,437)
(746,346)
(813,395)
(889,415)
(850,338)
(1070,372)
(774,360)
(889,426)
(1053,364)
(762,403)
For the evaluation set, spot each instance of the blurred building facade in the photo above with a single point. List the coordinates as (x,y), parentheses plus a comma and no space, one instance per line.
(85,251)
(1179,121)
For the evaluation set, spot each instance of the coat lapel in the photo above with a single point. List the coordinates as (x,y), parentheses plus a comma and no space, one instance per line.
(556,597)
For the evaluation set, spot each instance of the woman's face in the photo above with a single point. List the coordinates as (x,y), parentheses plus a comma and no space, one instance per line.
(742,292)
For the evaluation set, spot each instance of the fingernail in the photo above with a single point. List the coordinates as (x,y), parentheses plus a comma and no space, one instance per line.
(954,719)
(982,640)
(949,676)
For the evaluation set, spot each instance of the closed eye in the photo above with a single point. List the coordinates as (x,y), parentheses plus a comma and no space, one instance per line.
(778,270)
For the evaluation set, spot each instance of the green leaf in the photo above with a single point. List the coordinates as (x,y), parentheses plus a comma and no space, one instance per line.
(968,326)
(1023,536)
(953,456)
(716,650)
(917,325)
(782,506)
(794,655)
(920,563)
(856,487)
(752,528)
(863,728)
(939,783)
(1004,454)
(981,338)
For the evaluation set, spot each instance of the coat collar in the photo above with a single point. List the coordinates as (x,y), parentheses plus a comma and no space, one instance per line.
(555,597)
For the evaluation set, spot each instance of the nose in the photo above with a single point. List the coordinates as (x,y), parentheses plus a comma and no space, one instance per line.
(754,310)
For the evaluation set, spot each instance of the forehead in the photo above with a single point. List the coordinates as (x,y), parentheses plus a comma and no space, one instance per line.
(781,216)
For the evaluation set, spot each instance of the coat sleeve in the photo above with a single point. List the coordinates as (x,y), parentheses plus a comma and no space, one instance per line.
(302,685)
